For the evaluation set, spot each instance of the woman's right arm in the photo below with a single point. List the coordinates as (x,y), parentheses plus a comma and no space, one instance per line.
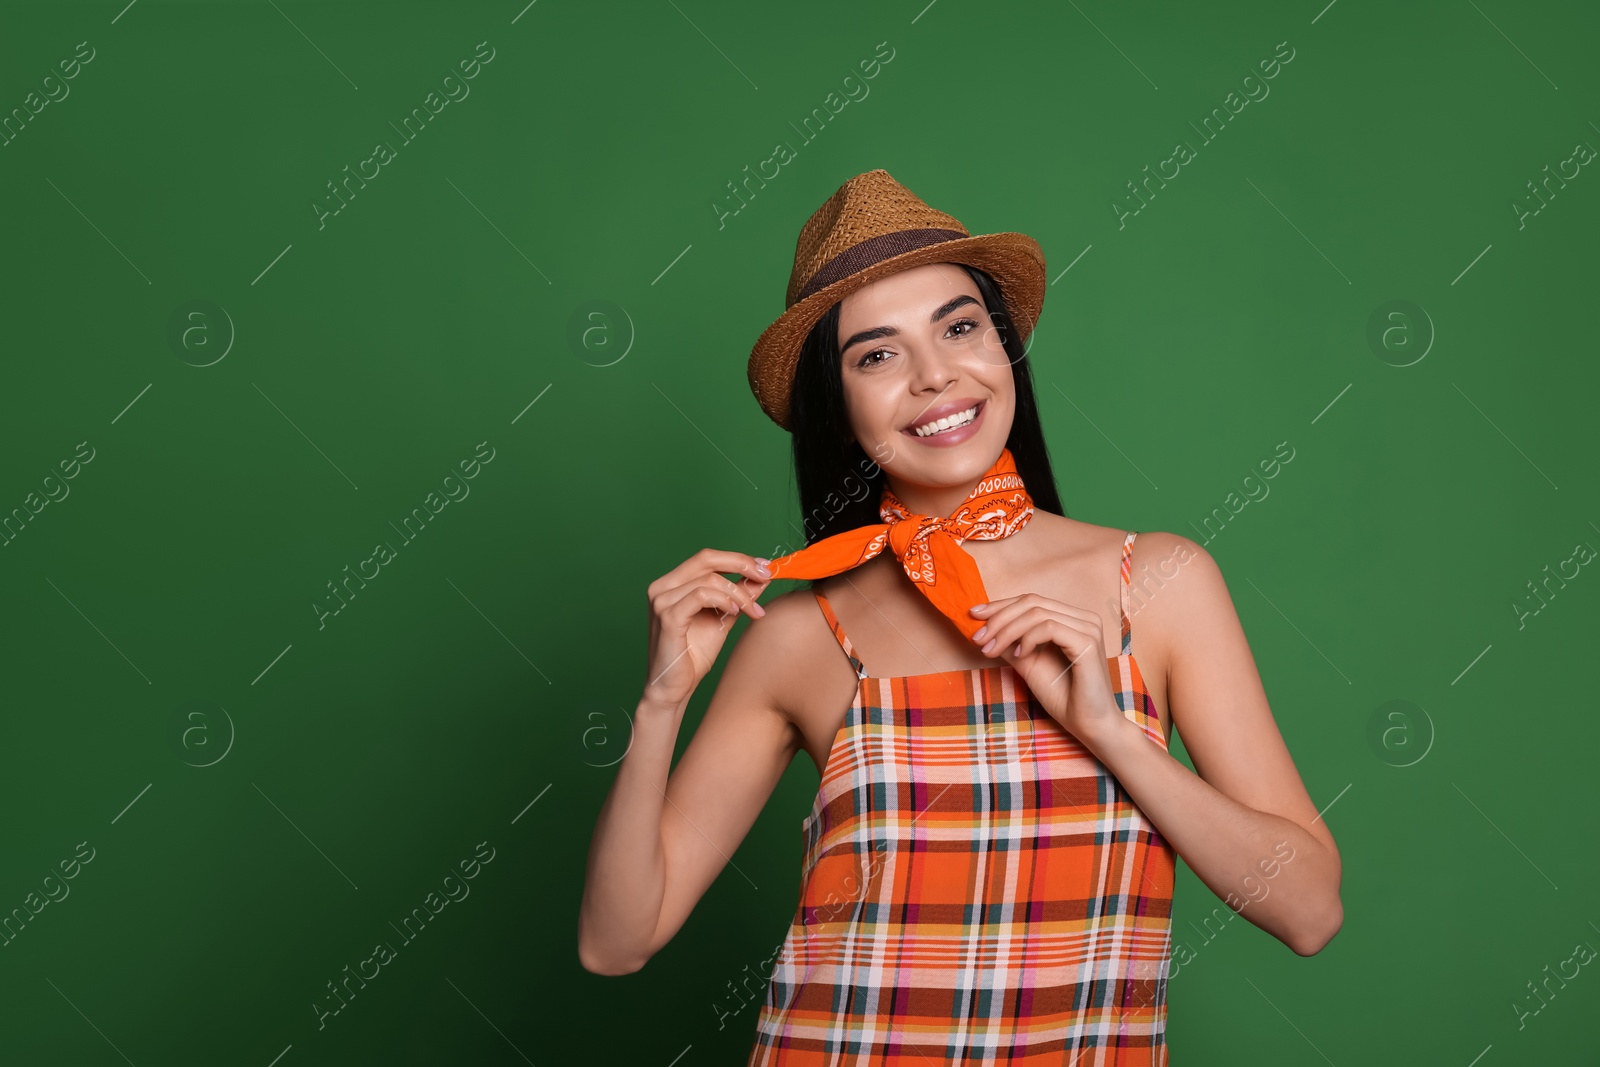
(661,841)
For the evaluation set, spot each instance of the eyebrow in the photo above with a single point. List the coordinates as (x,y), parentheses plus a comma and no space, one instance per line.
(889,331)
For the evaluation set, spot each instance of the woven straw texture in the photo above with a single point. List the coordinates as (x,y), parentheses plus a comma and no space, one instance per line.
(871,227)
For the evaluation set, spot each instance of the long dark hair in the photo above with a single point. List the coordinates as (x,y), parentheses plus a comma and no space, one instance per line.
(839,483)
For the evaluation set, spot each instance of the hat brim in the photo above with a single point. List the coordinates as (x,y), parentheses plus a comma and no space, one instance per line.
(1014,260)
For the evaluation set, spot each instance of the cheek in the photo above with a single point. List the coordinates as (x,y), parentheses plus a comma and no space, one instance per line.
(991,365)
(868,404)
(990,350)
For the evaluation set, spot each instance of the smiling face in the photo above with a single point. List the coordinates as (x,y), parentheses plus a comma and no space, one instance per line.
(927,383)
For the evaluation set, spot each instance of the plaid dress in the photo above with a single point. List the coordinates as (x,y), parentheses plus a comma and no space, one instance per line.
(976,887)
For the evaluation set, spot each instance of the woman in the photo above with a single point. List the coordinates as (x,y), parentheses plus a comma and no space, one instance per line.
(988,863)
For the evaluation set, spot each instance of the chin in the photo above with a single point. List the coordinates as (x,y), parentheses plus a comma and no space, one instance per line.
(964,462)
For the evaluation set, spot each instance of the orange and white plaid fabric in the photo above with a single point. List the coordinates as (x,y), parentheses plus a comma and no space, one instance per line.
(976,887)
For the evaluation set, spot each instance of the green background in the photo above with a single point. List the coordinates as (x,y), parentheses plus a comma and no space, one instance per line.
(161,614)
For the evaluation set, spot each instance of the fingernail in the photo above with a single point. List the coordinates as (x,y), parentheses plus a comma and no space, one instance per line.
(979,607)
(981,631)
(762,568)
(758,609)
(990,646)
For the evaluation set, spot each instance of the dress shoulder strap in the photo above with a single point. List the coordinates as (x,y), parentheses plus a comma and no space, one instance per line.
(1127,586)
(838,632)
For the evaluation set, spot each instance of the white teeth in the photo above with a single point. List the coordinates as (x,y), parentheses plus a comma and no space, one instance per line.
(949,422)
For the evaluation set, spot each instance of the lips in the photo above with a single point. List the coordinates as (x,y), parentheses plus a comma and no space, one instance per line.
(945,410)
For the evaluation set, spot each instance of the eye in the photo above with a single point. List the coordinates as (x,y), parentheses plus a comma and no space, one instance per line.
(965,326)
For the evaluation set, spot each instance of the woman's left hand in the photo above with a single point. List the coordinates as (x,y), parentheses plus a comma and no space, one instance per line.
(1042,638)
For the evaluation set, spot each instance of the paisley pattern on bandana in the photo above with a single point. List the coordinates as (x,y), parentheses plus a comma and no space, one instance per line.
(928,546)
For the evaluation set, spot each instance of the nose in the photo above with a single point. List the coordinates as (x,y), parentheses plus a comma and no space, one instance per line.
(934,371)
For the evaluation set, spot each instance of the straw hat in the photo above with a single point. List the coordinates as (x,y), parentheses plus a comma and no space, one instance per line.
(870,227)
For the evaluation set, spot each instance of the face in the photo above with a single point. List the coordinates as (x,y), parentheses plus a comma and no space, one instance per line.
(917,346)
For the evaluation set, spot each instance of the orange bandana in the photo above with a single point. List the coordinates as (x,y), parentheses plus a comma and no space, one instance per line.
(929,548)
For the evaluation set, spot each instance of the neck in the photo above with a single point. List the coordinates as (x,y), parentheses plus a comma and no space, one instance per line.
(936,500)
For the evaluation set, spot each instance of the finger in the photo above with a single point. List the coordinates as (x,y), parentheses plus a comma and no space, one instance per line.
(995,607)
(1009,633)
(1074,647)
(707,561)
(694,599)
(743,596)
(755,586)
(997,640)
(747,591)
(1074,639)
(1003,621)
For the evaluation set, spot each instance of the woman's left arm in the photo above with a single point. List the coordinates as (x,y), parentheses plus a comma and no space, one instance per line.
(1245,824)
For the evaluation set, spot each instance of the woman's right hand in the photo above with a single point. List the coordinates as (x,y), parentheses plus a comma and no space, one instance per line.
(692,608)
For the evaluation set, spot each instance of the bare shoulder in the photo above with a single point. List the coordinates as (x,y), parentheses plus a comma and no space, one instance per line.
(1169,560)
(1176,587)
(787,647)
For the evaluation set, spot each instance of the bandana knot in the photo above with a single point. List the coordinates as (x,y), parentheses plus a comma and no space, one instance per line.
(928,546)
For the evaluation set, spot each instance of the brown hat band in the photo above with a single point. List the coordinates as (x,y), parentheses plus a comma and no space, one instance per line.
(870,227)
(873,250)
